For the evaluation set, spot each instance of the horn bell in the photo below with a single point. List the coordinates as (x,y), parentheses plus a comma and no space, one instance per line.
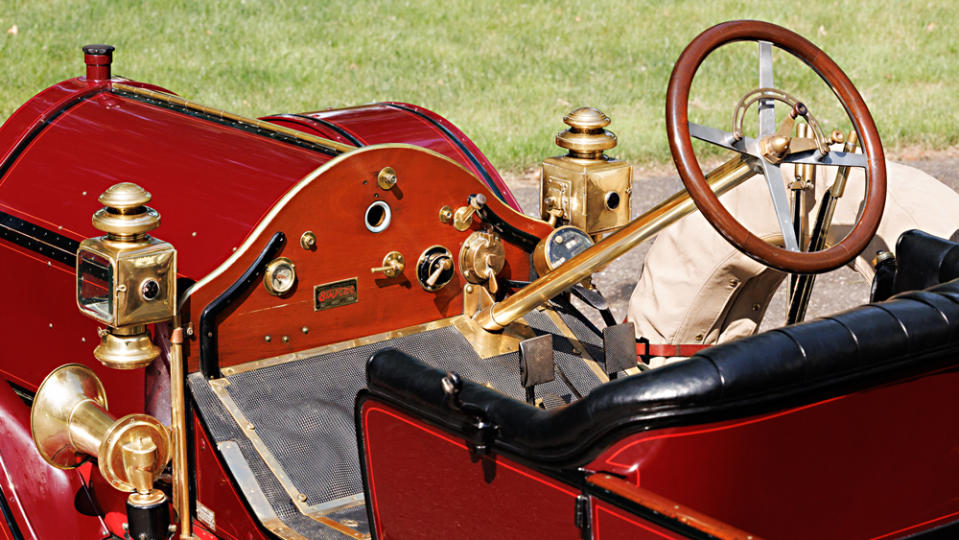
(70,423)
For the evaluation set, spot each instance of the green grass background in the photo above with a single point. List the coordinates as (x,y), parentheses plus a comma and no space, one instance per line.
(504,72)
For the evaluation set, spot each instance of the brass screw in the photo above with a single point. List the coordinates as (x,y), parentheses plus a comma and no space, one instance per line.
(756,307)
(301,497)
(250,427)
(386,179)
(446,215)
(308,241)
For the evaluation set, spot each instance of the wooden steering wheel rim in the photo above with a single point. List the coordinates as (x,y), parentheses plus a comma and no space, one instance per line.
(680,144)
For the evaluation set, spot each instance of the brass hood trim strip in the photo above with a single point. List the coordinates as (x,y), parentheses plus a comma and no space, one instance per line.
(250,124)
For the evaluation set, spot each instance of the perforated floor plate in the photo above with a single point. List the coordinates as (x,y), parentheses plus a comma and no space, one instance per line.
(293,421)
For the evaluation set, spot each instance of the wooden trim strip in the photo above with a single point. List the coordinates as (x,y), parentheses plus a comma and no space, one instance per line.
(668,508)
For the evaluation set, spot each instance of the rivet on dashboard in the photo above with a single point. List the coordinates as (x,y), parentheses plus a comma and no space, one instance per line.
(308,241)
(286,339)
(446,215)
(305,330)
(386,179)
(267,338)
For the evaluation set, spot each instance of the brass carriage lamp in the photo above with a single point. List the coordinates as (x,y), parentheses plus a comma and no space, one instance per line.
(126,279)
(586,188)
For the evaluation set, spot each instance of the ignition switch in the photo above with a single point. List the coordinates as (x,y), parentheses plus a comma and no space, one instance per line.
(481,258)
(435,268)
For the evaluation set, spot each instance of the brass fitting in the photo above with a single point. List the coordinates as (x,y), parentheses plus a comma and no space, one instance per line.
(585,188)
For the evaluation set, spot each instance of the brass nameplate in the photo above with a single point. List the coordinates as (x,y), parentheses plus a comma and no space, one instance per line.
(336,294)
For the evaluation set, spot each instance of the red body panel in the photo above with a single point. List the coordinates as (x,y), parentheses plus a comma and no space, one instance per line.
(211,182)
(393,122)
(53,331)
(216,491)
(842,468)
(452,494)
(29,483)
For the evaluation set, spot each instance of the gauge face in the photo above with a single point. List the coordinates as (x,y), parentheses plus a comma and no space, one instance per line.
(565,243)
(280,276)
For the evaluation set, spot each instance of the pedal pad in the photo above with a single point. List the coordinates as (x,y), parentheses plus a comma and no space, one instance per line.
(619,344)
(536,363)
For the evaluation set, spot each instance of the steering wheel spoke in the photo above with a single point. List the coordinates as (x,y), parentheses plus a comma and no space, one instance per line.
(777,190)
(745,145)
(767,107)
(834,157)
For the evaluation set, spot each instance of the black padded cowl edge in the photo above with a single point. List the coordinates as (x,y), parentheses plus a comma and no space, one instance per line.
(772,370)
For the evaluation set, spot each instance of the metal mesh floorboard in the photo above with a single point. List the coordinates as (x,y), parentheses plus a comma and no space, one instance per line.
(303,410)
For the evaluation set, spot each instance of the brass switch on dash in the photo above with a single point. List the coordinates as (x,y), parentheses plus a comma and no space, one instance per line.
(435,268)
(393,265)
(463,217)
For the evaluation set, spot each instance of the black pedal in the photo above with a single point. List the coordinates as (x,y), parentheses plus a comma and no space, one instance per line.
(619,343)
(536,363)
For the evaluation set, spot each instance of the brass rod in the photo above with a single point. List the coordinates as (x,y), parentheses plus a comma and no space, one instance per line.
(801,290)
(804,178)
(500,314)
(261,124)
(181,488)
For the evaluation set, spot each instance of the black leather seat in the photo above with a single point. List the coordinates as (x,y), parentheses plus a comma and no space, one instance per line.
(911,333)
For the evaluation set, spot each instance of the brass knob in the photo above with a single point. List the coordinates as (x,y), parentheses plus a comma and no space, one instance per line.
(125,196)
(308,241)
(586,138)
(393,265)
(386,179)
(125,213)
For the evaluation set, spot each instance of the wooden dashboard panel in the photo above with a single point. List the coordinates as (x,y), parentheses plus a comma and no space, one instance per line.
(332,202)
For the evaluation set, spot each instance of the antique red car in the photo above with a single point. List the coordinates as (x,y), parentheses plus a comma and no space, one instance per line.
(346,327)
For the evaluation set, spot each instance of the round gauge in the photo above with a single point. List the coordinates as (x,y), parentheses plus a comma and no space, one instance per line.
(280,276)
(560,246)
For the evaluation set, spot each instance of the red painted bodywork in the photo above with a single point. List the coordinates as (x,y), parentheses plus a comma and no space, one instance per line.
(30,484)
(217,492)
(382,123)
(63,148)
(781,474)
(847,467)
(805,472)
(454,494)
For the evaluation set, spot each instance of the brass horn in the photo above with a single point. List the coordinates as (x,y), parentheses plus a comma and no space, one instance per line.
(69,422)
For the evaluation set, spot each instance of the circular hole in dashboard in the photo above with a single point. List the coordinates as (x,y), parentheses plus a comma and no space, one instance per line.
(378,216)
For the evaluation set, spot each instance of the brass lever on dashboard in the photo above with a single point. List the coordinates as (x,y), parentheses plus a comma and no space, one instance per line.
(393,265)
(490,275)
(443,265)
(463,217)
